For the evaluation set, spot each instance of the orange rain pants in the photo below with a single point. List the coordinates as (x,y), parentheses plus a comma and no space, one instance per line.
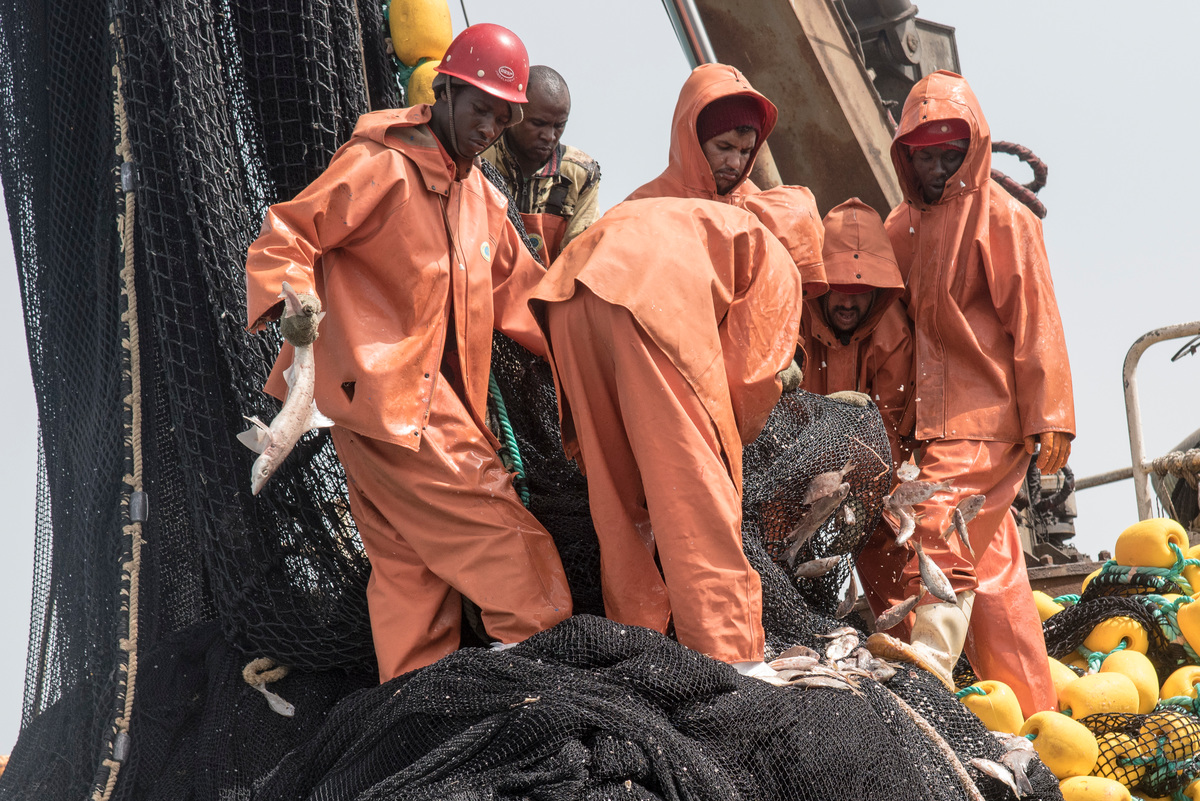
(1004,640)
(658,483)
(439,523)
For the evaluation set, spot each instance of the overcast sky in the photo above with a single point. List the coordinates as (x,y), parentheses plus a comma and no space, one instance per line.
(1099,93)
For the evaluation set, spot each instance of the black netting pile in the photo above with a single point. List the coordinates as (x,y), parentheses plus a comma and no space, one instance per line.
(233,105)
(1066,631)
(1156,754)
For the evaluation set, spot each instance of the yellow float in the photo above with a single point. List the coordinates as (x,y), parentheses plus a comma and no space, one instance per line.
(1093,788)
(1108,634)
(1121,758)
(1064,745)
(1088,579)
(1175,734)
(1099,693)
(1188,621)
(420,29)
(1061,675)
(1046,606)
(420,83)
(1138,668)
(1148,543)
(999,708)
(1192,572)
(1181,683)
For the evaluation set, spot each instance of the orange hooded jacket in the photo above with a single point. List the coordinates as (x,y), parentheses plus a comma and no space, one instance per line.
(877,358)
(722,302)
(990,353)
(688,173)
(384,237)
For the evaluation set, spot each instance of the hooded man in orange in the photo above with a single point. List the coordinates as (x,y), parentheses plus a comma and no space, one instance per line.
(992,383)
(669,320)
(410,252)
(857,336)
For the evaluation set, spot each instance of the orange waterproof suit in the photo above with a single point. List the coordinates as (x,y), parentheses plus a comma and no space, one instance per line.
(669,319)
(414,267)
(688,173)
(877,358)
(991,369)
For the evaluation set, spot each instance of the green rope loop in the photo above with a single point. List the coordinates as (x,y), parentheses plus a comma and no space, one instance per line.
(972,690)
(508,441)
(1067,600)
(1096,658)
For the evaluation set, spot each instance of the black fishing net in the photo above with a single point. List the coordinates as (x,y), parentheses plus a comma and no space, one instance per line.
(230,106)
(1066,631)
(1155,754)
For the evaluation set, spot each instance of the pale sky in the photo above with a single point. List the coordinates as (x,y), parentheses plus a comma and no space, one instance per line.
(1082,85)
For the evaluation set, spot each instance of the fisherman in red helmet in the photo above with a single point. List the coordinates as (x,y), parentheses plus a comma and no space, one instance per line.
(408,250)
(992,386)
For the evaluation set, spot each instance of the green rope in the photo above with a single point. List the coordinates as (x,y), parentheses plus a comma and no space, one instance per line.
(508,441)
(972,690)
(1096,658)
(1067,600)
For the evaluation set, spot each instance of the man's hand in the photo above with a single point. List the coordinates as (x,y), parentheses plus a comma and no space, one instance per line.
(1055,448)
(790,377)
(851,397)
(301,329)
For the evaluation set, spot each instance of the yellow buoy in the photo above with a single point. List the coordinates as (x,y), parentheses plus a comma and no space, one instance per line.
(1147,543)
(1191,572)
(1182,682)
(1046,606)
(420,83)
(1175,734)
(1093,788)
(420,29)
(1061,675)
(1193,790)
(999,709)
(1188,620)
(1121,758)
(1099,693)
(1088,579)
(1064,745)
(1108,634)
(1140,671)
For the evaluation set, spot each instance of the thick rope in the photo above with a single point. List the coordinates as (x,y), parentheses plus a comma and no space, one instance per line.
(1026,193)
(510,452)
(952,759)
(117,740)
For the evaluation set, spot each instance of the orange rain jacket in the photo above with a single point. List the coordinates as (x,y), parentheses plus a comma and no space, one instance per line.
(370,241)
(877,358)
(990,353)
(722,302)
(688,173)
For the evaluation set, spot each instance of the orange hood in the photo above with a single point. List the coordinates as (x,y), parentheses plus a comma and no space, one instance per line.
(790,213)
(687,173)
(943,95)
(857,252)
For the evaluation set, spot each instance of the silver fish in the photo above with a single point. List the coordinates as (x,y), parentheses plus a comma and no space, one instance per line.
(840,631)
(842,647)
(848,516)
(934,579)
(822,682)
(959,524)
(890,617)
(804,663)
(299,414)
(824,484)
(800,650)
(908,524)
(1018,761)
(849,600)
(907,471)
(816,567)
(910,493)
(817,514)
(996,771)
(881,671)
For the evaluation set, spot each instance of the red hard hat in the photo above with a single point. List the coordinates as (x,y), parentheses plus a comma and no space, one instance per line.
(489,57)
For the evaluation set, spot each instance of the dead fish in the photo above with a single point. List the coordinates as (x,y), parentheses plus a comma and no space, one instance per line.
(996,771)
(848,602)
(842,647)
(959,524)
(1018,761)
(799,650)
(908,524)
(817,514)
(804,663)
(816,567)
(910,493)
(848,516)
(881,671)
(840,631)
(788,674)
(934,579)
(824,484)
(863,659)
(889,618)
(299,413)
(907,471)
(822,682)
(970,506)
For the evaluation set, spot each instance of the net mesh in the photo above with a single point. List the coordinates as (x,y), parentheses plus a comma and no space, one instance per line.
(232,105)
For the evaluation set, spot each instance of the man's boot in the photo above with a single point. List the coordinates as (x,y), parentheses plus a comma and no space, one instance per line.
(938,636)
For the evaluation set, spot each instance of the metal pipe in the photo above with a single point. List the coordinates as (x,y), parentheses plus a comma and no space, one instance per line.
(690,30)
(1101,479)
(1133,412)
